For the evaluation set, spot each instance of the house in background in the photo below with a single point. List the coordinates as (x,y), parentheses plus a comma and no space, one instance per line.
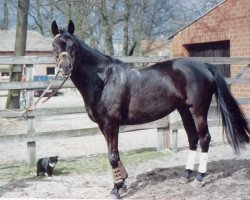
(37,45)
(224,31)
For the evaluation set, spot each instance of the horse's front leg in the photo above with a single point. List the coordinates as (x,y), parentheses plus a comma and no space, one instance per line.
(118,170)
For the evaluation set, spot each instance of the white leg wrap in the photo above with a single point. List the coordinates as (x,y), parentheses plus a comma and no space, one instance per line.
(203,163)
(191,160)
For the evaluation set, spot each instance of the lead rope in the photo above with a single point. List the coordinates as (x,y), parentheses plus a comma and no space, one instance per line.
(36,103)
(53,93)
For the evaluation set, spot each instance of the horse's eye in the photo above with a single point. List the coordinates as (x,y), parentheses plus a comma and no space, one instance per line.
(71,47)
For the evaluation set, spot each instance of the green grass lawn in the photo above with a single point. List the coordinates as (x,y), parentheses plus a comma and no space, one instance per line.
(82,165)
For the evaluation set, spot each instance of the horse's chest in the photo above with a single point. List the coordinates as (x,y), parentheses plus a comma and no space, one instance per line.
(95,113)
(90,113)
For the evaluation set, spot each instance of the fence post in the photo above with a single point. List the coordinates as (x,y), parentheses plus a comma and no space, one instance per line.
(163,137)
(31,145)
(174,126)
(174,140)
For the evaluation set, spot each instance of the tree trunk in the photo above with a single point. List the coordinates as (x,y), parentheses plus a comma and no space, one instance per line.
(80,17)
(106,26)
(20,46)
(137,20)
(68,9)
(125,28)
(51,14)
(39,17)
(5,16)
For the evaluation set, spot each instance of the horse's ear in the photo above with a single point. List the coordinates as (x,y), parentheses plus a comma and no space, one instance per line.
(54,28)
(71,27)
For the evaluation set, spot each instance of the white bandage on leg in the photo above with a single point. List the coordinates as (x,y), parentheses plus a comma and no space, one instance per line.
(203,163)
(191,160)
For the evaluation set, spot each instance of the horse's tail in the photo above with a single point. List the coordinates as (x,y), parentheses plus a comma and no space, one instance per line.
(234,122)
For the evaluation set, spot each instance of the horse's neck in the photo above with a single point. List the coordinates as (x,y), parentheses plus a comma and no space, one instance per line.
(88,81)
(91,56)
(89,72)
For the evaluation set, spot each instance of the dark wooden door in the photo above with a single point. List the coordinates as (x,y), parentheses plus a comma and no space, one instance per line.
(212,49)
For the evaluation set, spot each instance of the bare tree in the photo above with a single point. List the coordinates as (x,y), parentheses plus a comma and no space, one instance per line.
(107,15)
(105,23)
(5,23)
(68,5)
(126,28)
(39,17)
(20,46)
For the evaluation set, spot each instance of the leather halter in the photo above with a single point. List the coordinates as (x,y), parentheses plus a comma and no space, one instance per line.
(68,56)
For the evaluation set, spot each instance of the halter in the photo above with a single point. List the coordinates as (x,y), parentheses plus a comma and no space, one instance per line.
(61,55)
(68,56)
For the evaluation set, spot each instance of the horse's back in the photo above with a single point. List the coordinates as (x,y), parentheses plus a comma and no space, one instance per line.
(157,90)
(185,66)
(186,75)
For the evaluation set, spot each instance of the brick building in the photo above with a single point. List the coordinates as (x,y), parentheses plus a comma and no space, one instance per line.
(224,31)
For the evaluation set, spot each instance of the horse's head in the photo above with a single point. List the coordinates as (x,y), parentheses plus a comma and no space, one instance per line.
(64,47)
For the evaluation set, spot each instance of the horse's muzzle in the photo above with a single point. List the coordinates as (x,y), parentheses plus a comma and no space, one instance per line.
(65,63)
(65,67)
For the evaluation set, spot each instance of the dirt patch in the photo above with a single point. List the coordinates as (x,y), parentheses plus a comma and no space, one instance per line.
(226,179)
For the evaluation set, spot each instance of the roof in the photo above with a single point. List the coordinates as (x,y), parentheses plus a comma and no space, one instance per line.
(35,41)
(171,36)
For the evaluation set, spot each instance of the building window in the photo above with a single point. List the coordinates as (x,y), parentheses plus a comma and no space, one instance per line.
(50,70)
(5,73)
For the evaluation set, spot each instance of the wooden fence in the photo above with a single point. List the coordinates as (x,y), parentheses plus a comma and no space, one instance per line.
(165,137)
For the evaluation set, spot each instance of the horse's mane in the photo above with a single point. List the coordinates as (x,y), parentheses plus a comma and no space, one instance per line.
(92,53)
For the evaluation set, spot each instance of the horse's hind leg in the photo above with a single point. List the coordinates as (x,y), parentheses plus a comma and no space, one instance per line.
(193,138)
(197,129)
(204,138)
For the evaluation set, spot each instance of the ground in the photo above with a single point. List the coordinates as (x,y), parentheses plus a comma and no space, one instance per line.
(228,175)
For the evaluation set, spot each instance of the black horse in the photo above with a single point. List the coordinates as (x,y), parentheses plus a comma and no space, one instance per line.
(117,94)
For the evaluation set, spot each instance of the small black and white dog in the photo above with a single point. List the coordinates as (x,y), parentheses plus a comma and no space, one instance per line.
(46,165)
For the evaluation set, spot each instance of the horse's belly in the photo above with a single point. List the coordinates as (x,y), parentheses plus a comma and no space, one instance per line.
(140,112)
(145,118)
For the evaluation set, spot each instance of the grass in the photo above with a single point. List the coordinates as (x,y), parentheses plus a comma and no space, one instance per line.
(16,171)
(91,164)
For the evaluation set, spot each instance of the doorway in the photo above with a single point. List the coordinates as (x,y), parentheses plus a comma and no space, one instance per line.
(212,49)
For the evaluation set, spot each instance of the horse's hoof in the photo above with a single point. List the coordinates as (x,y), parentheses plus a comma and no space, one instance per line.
(197,184)
(183,180)
(123,189)
(115,194)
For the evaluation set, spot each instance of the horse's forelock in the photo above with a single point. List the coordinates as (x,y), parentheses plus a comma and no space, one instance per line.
(62,32)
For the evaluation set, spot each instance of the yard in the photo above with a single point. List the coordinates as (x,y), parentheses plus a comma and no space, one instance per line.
(83,170)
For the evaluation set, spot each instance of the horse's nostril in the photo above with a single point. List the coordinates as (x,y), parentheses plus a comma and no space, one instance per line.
(65,67)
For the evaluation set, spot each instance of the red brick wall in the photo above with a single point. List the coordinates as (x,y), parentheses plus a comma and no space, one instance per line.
(228,21)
